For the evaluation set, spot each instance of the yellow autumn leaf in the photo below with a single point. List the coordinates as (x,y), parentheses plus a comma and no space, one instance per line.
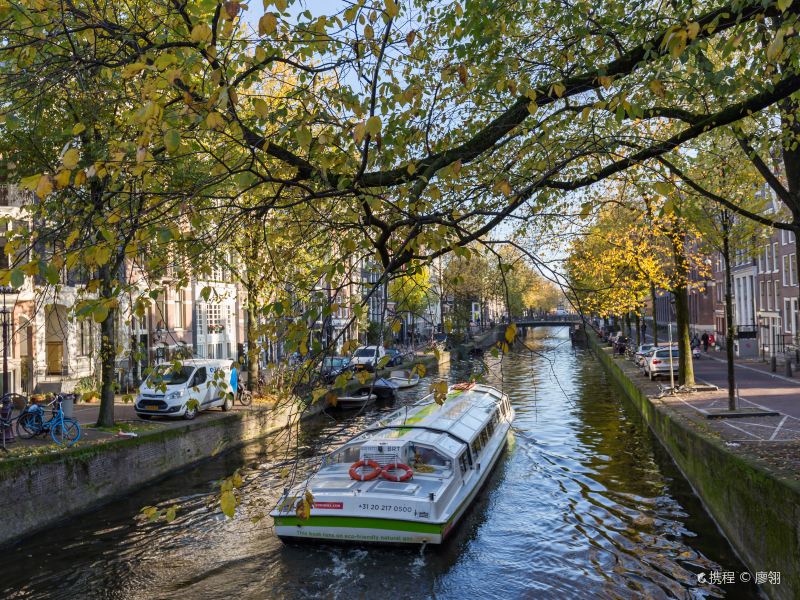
(391,7)
(267,24)
(227,502)
(776,46)
(373,126)
(78,129)
(62,178)
(359,131)
(71,158)
(201,33)
(559,89)
(44,186)
(657,88)
(692,30)
(215,120)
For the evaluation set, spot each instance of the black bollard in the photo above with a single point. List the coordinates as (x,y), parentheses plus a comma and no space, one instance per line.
(788,372)
(773,364)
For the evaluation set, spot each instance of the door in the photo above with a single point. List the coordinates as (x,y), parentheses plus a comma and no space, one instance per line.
(200,383)
(55,357)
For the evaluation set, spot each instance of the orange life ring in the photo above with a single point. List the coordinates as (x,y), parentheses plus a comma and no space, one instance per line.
(409,472)
(354,474)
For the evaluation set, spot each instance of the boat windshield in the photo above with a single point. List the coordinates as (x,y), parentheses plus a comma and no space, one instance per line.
(346,454)
(423,456)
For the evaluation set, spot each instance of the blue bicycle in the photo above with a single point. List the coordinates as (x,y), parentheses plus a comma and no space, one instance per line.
(65,431)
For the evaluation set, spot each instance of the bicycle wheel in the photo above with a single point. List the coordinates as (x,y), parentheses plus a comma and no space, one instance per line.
(66,432)
(246,397)
(29,425)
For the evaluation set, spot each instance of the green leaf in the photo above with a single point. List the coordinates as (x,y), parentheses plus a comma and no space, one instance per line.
(172,140)
(169,516)
(99,313)
(227,502)
(373,125)
(17,278)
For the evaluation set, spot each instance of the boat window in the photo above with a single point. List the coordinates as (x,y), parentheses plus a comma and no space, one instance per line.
(462,462)
(347,454)
(476,446)
(484,437)
(489,428)
(422,457)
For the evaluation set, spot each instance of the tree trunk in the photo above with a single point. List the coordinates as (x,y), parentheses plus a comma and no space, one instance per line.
(726,254)
(681,294)
(685,366)
(252,343)
(655,320)
(108,352)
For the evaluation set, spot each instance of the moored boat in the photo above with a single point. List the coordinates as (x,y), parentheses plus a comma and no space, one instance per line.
(357,399)
(404,379)
(408,478)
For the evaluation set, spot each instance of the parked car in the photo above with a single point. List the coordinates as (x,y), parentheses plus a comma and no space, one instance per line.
(659,362)
(332,367)
(195,386)
(638,356)
(396,357)
(367,357)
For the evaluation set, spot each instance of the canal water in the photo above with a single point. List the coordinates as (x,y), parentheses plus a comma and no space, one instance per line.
(584,504)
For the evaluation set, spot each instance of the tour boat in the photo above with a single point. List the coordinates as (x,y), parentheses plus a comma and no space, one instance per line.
(404,379)
(408,478)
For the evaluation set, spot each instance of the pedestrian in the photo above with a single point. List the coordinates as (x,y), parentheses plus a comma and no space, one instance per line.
(644,330)
(712,341)
(234,380)
(705,338)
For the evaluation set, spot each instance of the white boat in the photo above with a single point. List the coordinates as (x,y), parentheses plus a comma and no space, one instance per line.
(407,479)
(404,379)
(356,399)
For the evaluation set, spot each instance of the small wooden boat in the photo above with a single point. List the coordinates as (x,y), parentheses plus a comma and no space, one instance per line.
(404,379)
(409,478)
(357,399)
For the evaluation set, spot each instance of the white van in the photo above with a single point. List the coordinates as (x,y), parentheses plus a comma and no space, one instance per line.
(198,384)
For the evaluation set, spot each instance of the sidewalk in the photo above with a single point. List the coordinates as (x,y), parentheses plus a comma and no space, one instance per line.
(773,439)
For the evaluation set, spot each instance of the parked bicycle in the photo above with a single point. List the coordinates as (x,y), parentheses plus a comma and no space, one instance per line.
(8,404)
(65,431)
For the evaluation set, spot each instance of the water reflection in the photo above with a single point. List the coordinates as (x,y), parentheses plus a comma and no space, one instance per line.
(583,505)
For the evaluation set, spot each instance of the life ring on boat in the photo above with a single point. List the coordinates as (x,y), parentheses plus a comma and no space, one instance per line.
(385,472)
(354,474)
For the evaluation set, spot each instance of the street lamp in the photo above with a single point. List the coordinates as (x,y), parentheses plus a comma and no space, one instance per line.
(7,290)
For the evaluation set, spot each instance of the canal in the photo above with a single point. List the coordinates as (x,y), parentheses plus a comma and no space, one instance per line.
(584,504)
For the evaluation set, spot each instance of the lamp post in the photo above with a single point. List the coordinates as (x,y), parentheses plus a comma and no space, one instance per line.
(6,290)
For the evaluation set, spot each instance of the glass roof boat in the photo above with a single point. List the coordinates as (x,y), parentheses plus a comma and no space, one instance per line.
(406,479)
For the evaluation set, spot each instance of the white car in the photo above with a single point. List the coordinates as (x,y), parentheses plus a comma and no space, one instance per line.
(658,362)
(367,357)
(194,386)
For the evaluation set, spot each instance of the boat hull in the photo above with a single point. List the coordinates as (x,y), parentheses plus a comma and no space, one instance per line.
(369,530)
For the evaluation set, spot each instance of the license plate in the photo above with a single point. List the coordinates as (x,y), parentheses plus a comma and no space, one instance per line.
(151,407)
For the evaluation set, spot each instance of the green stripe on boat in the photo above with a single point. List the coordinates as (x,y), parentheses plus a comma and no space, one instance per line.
(360,523)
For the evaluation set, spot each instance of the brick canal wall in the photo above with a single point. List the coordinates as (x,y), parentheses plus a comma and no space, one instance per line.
(41,490)
(757,511)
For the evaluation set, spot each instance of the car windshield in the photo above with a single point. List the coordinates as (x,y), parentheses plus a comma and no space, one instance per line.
(365,352)
(665,353)
(332,363)
(392,351)
(167,375)
(440,337)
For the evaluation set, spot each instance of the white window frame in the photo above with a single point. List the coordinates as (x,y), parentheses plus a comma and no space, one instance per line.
(775,257)
(785,269)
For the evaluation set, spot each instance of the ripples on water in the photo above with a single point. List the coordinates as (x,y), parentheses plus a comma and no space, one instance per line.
(584,504)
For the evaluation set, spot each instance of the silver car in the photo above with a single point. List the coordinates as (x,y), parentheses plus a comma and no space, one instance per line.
(639,355)
(658,362)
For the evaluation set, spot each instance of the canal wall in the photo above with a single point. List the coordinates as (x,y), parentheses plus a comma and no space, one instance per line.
(758,511)
(40,490)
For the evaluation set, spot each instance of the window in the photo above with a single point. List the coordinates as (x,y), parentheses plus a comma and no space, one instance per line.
(793,269)
(769,296)
(85,342)
(199,376)
(211,348)
(777,294)
(775,257)
(161,311)
(178,313)
(462,462)
(785,272)
(761,268)
(766,258)
(761,294)
(787,315)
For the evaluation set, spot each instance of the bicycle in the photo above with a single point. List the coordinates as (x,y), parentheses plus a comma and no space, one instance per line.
(65,431)
(8,403)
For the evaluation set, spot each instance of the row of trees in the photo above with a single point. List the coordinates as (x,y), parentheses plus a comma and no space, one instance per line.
(386,132)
